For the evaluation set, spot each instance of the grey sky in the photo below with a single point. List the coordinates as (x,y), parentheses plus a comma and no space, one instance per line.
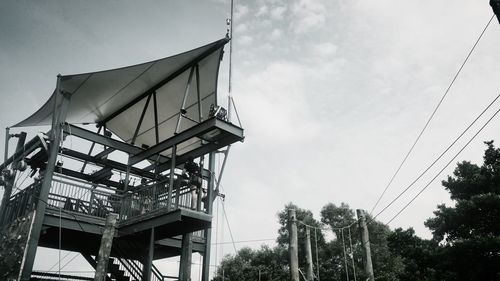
(331,93)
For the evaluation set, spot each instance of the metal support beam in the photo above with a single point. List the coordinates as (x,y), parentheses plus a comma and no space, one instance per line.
(90,152)
(208,232)
(147,267)
(171,182)
(197,130)
(34,235)
(141,118)
(188,85)
(101,270)
(200,108)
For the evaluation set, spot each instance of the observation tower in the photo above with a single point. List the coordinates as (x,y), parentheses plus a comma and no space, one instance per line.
(125,173)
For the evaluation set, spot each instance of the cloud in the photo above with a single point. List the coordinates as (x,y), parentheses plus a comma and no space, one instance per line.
(241,28)
(276,34)
(324,49)
(263,10)
(277,13)
(245,40)
(240,11)
(308,15)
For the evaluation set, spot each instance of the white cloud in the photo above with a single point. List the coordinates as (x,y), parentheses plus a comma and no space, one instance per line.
(240,11)
(308,15)
(263,10)
(245,40)
(325,49)
(277,13)
(241,28)
(276,34)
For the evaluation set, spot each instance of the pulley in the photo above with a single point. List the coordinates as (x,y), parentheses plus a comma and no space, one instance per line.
(22,165)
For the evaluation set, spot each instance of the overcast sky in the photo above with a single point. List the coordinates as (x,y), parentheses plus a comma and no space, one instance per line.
(331,93)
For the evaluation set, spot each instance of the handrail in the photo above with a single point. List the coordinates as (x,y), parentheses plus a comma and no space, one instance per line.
(38,275)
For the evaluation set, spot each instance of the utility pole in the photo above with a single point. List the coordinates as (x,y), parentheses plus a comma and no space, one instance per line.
(365,240)
(309,256)
(293,247)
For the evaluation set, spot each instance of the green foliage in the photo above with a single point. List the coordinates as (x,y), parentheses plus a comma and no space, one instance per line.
(470,230)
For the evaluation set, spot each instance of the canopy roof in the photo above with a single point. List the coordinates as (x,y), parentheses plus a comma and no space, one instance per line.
(117,98)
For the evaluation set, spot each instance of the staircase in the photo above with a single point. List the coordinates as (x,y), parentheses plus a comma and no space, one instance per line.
(122,269)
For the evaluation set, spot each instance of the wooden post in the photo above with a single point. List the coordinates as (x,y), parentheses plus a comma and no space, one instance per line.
(105,248)
(293,247)
(186,257)
(309,256)
(365,240)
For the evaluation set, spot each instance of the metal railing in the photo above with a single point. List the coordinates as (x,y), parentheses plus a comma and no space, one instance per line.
(21,203)
(95,200)
(82,198)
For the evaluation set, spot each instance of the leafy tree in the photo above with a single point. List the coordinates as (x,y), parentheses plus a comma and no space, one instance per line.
(470,230)
(418,256)
(247,263)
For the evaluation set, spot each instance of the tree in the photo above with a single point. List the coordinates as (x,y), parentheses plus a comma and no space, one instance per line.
(418,256)
(470,230)
(248,263)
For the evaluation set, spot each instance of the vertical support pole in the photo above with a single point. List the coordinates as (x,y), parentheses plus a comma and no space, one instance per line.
(147,268)
(57,121)
(7,137)
(184,100)
(208,232)
(365,240)
(172,174)
(293,247)
(101,270)
(309,256)
(200,107)
(186,257)
(9,182)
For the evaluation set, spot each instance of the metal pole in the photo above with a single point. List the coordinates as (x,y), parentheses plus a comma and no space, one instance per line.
(293,247)
(184,100)
(148,261)
(172,174)
(7,137)
(101,270)
(208,232)
(200,106)
(309,256)
(365,240)
(34,235)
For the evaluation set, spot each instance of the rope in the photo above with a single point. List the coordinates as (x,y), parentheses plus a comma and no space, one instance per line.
(432,115)
(229,227)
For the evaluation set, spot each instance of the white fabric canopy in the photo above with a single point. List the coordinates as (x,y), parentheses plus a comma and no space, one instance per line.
(118,96)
